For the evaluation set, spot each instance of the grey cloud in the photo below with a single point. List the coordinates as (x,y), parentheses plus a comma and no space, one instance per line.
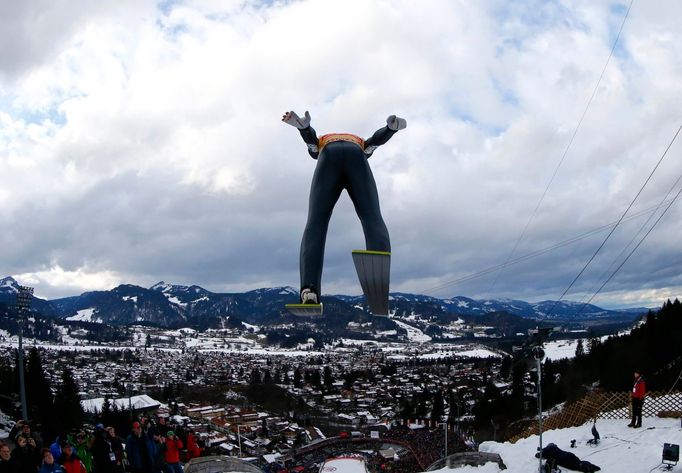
(491,103)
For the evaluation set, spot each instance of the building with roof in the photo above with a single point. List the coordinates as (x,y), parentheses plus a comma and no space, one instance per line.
(139,403)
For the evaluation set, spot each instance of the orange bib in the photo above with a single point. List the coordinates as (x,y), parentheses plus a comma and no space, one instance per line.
(331,137)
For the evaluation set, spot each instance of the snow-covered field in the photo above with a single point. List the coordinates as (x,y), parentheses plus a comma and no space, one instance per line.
(621,450)
(472,351)
(558,349)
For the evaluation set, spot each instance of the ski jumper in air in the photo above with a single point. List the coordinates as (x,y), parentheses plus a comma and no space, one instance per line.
(342,164)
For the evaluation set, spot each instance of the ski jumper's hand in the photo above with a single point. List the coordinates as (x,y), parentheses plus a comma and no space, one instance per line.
(290,118)
(395,123)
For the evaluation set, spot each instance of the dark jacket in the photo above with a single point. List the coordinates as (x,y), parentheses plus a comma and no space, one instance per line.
(140,451)
(9,466)
(27,458)
(105,453)
(567,460)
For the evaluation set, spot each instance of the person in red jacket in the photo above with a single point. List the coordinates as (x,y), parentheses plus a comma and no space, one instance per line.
(638,394)
(193,449)
(172,454)
(70,461)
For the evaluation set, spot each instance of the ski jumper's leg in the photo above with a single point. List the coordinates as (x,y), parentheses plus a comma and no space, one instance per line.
(362,189)
(325,190)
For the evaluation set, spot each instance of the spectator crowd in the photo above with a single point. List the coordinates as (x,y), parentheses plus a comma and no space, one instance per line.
(151,447)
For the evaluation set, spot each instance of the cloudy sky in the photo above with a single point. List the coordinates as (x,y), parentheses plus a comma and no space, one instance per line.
(141,141)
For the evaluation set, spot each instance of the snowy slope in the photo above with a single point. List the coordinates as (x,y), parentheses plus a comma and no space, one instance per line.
(413,333)
(622,449)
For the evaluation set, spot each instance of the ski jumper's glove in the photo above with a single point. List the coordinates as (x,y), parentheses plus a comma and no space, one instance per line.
(394,123)
(290,118)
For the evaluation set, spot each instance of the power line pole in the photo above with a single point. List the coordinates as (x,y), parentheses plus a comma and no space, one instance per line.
(22,306)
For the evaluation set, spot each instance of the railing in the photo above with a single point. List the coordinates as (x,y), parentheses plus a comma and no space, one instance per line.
(607,405)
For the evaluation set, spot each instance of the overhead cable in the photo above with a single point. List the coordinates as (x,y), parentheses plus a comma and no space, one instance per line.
(568,146)
(596,252)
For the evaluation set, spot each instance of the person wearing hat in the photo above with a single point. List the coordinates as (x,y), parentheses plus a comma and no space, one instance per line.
(107,450)
(84,442)
(26,454)
(69,460)
(140,450)
(637,396)
(32,438)
(172,454)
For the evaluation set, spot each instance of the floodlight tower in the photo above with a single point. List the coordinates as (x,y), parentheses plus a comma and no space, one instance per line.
(539,354)
(21,307)
(445,427)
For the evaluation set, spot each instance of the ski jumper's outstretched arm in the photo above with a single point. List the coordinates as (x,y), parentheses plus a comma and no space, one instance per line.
(382,135)
(307,132)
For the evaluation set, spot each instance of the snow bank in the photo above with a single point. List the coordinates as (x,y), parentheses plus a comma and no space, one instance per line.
(621,449)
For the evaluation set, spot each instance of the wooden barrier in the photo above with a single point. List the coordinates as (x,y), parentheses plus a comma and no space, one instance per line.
(607,405)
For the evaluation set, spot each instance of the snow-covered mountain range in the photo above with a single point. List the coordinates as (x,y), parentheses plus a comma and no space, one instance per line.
(174,305)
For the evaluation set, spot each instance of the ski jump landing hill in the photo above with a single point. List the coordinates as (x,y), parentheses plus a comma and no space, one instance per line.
(621,449)
(344,465)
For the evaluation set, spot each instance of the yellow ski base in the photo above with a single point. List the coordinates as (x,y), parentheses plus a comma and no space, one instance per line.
(370,252)
(305,310)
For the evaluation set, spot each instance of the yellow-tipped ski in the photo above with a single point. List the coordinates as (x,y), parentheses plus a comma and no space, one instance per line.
(305,310)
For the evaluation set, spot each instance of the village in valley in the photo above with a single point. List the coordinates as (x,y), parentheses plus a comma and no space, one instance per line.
(268,402)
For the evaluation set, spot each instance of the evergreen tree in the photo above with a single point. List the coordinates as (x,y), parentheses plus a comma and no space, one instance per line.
(406,408)
(328,377)
(518,389)
(255,377)
(549,386)
(579,349)
(438,409)
(105,416)
(505,367)
(68,403)
(297,378)
(7,382)
(39,395)
(421,409)
(485,407)
(315,379)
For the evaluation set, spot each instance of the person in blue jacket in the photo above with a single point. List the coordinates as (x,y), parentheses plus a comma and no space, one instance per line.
(140,450)
(49,465)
